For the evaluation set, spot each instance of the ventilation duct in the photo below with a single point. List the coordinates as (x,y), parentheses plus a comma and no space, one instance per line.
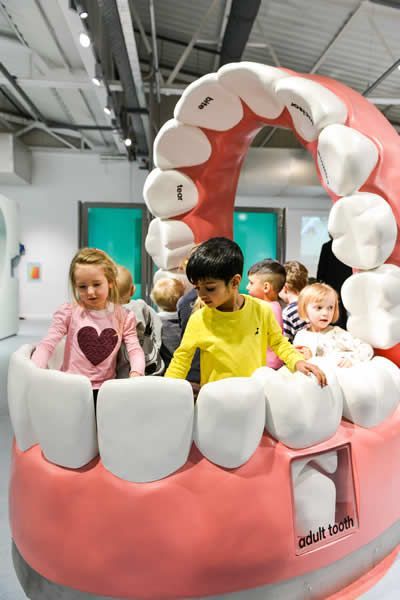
(15,161)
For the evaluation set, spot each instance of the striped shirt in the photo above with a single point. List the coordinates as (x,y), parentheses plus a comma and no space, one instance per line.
(291,321)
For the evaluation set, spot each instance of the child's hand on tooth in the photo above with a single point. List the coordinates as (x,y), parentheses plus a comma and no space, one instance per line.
(306,352)
(310,369)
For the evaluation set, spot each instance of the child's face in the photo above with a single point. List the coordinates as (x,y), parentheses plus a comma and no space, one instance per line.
(92,286)
(215,293)
(256,286)
(320,314)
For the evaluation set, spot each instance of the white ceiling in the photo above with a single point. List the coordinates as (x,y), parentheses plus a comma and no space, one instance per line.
(352,41)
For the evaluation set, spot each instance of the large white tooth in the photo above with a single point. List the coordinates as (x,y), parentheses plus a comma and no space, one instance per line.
(19,376)
(373,300)
(388,366)
(62,411)
(311,105)
(346,158)
(178,145)
(364,230)
(370,393)
(299,413)
(56,359)
(326,461)
(255,84)
(229,420)
(206,103)
(169,193)
(169,242)
(314,500)
(145,426)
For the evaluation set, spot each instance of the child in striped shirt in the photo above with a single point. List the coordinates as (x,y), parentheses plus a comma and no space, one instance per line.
(296,280)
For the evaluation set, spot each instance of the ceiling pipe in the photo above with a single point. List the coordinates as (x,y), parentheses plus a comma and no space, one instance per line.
(238,29)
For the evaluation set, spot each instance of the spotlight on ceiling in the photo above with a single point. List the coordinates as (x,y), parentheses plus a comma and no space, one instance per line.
(83,14)
(98,75)
(84,40)
(107,110)
(128,142)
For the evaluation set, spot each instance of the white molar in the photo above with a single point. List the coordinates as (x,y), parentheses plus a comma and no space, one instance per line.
(255,84)
(169,193)
(206,103)
(299,413)
(311,105)
(372,299)
(19,375)
(178,145)
(370,392)
(145,426)
(364,230)
(62,412)
(169,242)
(346,158)
(326,462)
(314,500)
(229,420)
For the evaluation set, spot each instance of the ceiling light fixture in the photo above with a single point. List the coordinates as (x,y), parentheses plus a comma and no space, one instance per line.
(128,142)
(83,14)
(98,75)
(84,40)
(107,110)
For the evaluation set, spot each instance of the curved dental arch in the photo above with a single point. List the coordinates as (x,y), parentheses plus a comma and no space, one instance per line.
(190,200)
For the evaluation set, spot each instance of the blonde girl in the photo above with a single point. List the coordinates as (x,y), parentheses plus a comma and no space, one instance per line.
(318,305)
(95,324)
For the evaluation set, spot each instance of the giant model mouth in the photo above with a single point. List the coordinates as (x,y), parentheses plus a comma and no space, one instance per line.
(155,517)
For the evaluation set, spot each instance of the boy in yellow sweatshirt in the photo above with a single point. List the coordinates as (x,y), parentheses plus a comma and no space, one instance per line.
(232,331)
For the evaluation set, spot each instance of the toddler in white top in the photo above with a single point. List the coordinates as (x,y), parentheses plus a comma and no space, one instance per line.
(318,306)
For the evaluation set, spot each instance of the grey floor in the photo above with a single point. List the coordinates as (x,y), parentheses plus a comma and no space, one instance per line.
(387,589)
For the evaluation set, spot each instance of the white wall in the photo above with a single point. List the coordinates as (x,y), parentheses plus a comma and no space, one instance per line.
(49,216)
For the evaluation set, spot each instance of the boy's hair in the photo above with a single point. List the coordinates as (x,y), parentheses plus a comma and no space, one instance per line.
(315,293)
(270,270)
(124,283)
(166,293)
(296,276)
(98,258)
(217,258)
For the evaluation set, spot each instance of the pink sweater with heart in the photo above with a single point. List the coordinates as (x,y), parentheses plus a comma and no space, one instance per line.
(93,340)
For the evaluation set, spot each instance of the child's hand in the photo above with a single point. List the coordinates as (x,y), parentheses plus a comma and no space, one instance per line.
(345,363)
(135,374)
(308,369)
(306,352)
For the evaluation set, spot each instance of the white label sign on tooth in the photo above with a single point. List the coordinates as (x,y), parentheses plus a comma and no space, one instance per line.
(169,193)
(346,158)
(206,103)
(255,84)
(178,145)
(311,105)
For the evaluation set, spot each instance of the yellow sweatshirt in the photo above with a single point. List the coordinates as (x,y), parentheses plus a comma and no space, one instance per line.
(232,344)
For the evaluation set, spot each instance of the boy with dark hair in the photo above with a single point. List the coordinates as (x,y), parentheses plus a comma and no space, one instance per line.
(232,331)
(266,279)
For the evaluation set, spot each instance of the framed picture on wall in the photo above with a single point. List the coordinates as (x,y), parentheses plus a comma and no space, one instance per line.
(34,271)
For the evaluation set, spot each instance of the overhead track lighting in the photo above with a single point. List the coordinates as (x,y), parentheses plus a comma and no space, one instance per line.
(84,40)
(107,110)
(98,75)
(83,14)
(128,142)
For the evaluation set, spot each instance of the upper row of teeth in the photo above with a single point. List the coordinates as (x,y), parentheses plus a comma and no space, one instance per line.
(362,224)
(146,425)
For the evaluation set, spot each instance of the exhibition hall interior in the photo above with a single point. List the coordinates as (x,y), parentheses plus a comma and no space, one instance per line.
(199,299)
